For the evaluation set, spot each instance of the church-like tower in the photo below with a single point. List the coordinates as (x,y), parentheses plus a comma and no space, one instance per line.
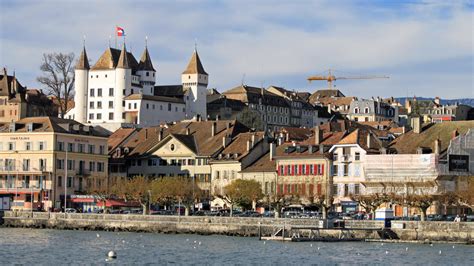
(81,72)
(194,80)
(123,76)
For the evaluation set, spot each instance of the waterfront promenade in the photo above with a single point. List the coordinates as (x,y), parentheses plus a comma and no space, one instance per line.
(462,232)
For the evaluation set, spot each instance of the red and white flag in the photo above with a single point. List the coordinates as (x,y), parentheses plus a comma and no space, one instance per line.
(120,31)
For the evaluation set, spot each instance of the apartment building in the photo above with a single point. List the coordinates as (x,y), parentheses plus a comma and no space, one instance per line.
(42,159)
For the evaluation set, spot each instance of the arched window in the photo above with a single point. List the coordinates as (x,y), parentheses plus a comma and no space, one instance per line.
(356,110)
(366,110)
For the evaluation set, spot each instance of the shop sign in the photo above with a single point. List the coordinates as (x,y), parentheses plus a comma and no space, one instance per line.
(458,163)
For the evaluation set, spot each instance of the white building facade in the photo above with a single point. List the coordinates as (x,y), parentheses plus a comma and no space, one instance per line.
(119,91)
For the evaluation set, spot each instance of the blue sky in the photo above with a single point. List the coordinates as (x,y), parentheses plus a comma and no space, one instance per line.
(426,47)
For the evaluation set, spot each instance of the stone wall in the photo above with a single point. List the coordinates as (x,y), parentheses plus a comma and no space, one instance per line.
(239,226)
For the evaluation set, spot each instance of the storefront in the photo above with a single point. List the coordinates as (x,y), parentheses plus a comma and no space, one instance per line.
(85,203)
(349,206)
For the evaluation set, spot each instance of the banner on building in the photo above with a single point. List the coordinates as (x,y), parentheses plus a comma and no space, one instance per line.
(458,163)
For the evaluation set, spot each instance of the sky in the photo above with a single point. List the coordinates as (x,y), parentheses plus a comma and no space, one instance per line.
(425,47)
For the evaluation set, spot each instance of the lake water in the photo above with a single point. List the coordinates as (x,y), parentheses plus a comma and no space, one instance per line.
(55,247)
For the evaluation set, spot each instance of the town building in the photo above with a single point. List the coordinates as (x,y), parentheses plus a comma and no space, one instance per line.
(37,153)
(372,110)
(434,111)
(18,102)
(118,91)
(429,160)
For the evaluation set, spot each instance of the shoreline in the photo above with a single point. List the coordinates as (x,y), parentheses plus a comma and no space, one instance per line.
(279,229)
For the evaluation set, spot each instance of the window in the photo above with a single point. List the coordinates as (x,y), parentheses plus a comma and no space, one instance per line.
(346,190)
(60,146)
(111,91)
(357,189)
(91,116)
(99,116)
(129,106)
(123,103)
(69,181)
(334,167)
(111,116)
(11,146)
(26,164)
(356,110)
(91,92)
(99,92)
(169,107)
(101,149)
(357,156)
(346,169)
(92,166)
(366,110)
(161,107)
(60,181)
(71,164)
(28,146)
(311,169)
(80,147)
(334,156)
(59,163)
(42,164)
(147,106)
(147,74)
(99,105)
(41,145)
(124,91)
(70,147)
(100,167)
(91,149)
(176,109)
(111,104)
(135,106)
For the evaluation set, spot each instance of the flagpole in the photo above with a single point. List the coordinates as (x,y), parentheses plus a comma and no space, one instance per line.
(115,36)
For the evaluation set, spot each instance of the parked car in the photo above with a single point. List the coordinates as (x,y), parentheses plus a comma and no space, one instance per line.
(71,210)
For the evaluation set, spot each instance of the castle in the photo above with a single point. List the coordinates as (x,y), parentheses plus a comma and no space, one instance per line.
(120,91)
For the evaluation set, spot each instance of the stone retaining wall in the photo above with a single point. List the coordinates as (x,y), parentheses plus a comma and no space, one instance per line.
(239,226)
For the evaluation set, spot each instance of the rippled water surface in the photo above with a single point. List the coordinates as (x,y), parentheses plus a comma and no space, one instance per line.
(55,247)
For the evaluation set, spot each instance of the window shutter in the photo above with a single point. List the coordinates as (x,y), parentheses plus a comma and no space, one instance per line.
(315,170)
(322,169)
(303,189)
(301,169)
(311,189)
(307,169)
(319,189)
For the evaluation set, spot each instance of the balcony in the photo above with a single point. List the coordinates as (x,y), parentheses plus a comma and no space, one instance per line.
(346,158)
(83,172)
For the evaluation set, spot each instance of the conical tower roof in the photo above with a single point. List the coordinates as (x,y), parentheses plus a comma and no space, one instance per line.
(83,62)
(194,65)
(145,61)
(123,59)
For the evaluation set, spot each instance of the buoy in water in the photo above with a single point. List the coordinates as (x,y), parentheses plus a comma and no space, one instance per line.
(440,252)
(112,254)
(311,245)
(386,251)
(406,249)
(97,235)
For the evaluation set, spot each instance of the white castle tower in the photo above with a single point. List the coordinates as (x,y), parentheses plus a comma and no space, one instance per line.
(123,81)
(147,72)
(81,87)
(195,80)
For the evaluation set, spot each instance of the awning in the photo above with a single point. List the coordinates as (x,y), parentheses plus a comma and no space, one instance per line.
(112,203)
(82,200)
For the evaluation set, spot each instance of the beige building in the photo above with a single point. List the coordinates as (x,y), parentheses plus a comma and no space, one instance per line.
(37,153)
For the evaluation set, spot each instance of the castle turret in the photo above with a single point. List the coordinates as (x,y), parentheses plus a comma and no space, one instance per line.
(80,86)
(147,72)
(123,83)
(195,80)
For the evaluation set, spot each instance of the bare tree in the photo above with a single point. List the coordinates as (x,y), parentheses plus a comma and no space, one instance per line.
(370,202)
(58,77)
(324,202)
(422,202)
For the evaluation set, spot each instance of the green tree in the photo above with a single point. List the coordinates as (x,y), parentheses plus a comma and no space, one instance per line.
(244,193)
(134,189)
(251,119)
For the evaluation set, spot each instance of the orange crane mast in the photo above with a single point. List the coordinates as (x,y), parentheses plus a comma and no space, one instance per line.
(330,78)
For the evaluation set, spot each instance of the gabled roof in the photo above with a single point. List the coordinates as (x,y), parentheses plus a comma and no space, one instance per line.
(249,94)
(195,65)
(169,90)
(53,124)
(187,140)
(110,59)
(118,137)
(145,61)
(123,59)
(238,145)
(263,164)
(83,62)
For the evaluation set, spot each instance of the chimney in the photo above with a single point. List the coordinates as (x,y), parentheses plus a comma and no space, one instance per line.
(213,129)
(419,150)
(416,124)
(280,140)
(146,133)
(318,135)
(455,134)
(369,139)
(437,146)
(343,125)
(272,151)
(217,117)
(329,108)
(225,141)
(287,137)
(253,140)
(160,135)
(437,100)
(321,148)
(403,129)
(188,131)
(248,145)
(293,143)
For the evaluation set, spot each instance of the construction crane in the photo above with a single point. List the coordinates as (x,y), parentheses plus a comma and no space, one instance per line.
(331,78)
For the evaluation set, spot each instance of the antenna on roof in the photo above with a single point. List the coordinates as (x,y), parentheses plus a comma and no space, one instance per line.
(243,79)
(110,37)
(84,40)
(195,44)
(146,41)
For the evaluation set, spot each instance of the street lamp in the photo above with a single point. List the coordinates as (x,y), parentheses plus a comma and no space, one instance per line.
(149,201)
